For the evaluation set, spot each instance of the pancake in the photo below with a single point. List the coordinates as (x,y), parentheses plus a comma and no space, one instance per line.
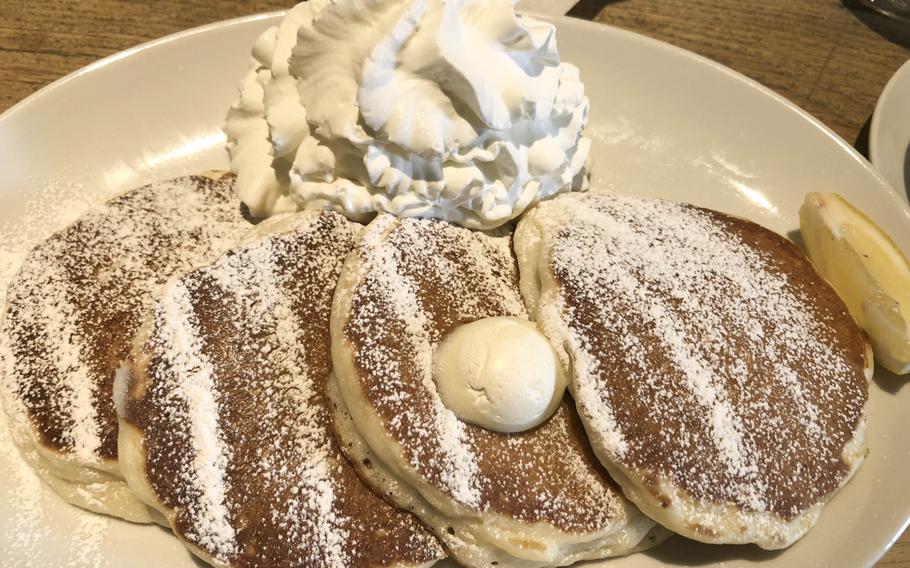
(536,498)
(721,380)
(71,314)
(225,428)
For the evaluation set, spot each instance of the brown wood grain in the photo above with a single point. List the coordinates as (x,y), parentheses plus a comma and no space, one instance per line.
(830,57)
(43,41)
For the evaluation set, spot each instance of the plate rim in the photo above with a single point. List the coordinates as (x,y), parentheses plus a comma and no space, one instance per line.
(129,52)
(754,84)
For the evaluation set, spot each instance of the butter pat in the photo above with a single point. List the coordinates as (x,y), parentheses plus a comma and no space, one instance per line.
(499,373)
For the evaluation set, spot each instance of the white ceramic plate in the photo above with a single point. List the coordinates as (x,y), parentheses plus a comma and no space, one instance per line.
(889,133)
(665,123)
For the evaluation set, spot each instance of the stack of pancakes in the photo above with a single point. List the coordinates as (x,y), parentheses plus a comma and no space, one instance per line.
(267,391)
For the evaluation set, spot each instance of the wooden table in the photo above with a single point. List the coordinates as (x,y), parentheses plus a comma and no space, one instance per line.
(830,57)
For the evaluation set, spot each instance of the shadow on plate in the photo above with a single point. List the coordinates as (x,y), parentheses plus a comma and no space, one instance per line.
(589,9)
(190,556)
(680,551)
(862,139)
(907,172)
(245,212)
(888,381)
(796,237)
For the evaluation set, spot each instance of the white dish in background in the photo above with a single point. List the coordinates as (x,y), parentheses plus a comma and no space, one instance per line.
(665,122)
(889,133)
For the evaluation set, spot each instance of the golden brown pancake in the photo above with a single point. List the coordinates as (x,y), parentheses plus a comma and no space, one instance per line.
(71,314)
(534,498)
(722,382)
(224,422)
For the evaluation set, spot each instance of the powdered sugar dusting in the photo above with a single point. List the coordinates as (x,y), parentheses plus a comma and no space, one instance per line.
(655,296)
(211,525)
(254,283)
(23,496)
(84,435)
(89,534)
(79,296)
(23,492)
(414,281)
(58,337)
(459,465)
(603,422)
(239,356)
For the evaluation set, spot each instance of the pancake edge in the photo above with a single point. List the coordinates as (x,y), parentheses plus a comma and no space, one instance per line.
(540,290)
(468,551)
(101,487)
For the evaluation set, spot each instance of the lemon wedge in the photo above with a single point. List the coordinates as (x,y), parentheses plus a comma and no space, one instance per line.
(866,268)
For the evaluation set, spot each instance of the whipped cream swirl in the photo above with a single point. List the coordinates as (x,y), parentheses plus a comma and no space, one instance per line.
(457,109)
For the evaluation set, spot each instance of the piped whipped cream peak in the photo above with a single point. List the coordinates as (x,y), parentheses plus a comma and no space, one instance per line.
(499,373)
(455,109)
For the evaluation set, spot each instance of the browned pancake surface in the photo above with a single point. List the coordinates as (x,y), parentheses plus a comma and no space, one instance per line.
(80,296)
(229,395)
(421,279)
(708,352)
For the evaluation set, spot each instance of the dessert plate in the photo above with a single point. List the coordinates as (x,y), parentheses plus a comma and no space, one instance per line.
(665,123)
(889,133)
